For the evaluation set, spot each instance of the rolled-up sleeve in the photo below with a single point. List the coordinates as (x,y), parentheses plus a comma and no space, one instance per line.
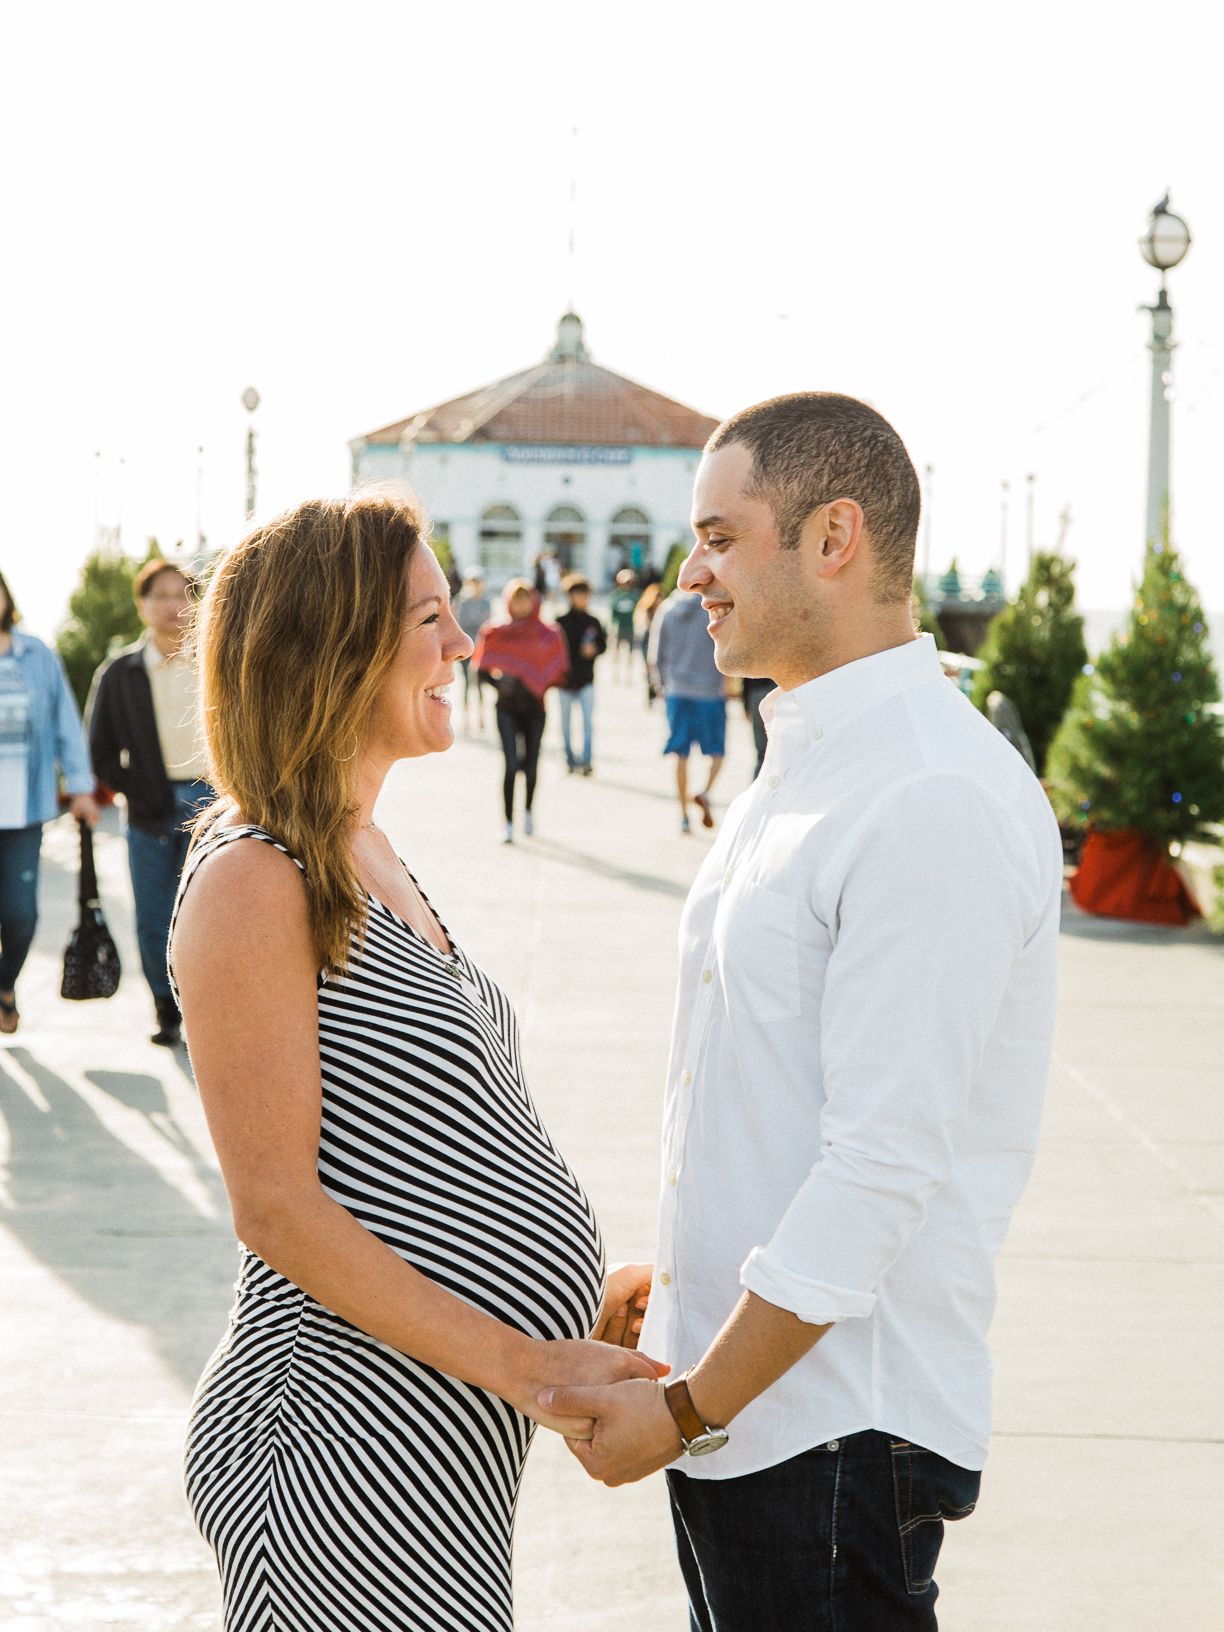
(929,902)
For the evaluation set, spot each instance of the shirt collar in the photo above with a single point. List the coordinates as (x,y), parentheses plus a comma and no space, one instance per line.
(835,697)
(152,655)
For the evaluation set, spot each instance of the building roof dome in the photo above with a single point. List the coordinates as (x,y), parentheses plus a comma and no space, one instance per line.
(566,399)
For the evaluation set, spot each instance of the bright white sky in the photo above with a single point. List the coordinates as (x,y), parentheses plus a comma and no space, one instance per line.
(362,209)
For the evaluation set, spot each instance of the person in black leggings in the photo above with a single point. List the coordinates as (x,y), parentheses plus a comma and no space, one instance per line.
(520,725)
(522,657)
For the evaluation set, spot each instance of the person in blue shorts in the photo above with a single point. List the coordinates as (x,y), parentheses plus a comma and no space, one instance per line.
(682,657)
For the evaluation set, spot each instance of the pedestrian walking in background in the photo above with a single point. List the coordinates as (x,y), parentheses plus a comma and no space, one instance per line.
(418,1261)
(753,694)
(682,657)
(40,734)
(868,970)
(473,610)
(146,743)
(524,656)
(585,637)
(621,608)
(644,615)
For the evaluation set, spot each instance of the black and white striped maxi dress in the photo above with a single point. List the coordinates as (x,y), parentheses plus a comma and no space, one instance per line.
(344,1486)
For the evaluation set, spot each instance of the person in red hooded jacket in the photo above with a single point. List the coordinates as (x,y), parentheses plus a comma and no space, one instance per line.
(523,657)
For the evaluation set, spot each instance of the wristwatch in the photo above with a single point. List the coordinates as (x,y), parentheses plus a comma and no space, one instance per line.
(698,1439)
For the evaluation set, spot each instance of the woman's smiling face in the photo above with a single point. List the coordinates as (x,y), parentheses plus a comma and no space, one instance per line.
(412,714)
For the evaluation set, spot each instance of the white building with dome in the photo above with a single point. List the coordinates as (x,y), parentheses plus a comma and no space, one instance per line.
(566,455)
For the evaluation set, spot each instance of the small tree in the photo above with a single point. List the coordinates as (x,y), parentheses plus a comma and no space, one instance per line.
(924,619)
(1034,651)
(671,568)
(102,614)
(1136,749)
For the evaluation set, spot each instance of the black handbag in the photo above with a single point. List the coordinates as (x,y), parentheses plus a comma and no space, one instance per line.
(91,962)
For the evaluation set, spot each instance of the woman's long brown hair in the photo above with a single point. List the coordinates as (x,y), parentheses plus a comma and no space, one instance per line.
(294,637)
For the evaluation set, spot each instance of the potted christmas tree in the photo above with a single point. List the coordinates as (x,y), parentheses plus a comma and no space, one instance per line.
(1034,650)
(1139,758)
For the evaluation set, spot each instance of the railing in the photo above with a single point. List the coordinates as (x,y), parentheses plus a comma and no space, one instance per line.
(964,588)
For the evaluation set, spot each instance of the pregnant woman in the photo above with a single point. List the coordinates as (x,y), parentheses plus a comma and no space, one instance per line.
(418,1260)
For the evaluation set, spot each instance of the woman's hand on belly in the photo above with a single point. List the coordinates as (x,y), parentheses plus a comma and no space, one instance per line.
(546,1364)
(625,1299)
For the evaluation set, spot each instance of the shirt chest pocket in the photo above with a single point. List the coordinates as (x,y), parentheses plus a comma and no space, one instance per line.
(756,936)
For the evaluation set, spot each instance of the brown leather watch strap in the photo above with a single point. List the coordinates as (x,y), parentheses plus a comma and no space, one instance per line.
(680,1404)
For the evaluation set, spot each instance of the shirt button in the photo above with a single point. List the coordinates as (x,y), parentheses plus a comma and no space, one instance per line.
(773,782)
(687,1078)
(707,976)
(673,1178)
(665,1279)
(817,734)
(728,875)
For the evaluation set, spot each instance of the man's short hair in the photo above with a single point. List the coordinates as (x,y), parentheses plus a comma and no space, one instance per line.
(815,446)
(575,581)
(142,584)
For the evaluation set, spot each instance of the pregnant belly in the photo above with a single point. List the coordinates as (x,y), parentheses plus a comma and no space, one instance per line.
(509,1232)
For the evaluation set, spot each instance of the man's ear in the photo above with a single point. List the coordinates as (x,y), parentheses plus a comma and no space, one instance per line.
(832,534)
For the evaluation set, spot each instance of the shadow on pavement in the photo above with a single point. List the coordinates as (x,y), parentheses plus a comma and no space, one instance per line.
(107,1223)
(607,869)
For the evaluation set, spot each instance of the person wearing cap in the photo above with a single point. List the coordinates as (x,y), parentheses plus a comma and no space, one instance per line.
(473,610)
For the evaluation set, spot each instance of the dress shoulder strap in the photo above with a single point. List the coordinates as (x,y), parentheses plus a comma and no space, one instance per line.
(200,853)
(226,835)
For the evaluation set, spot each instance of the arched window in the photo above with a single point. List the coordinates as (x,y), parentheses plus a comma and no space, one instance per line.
(628,540)
(565,535)
(501,543)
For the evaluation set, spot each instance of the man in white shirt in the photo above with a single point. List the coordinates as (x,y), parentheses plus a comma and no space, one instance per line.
(862,1035)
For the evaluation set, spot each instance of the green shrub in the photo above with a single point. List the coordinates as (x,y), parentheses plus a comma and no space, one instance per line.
(1034,651)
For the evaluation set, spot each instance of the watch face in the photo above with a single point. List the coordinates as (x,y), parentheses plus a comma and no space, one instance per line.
(712,1440)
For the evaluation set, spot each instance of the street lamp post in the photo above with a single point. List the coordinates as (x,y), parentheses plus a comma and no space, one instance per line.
(1163,245)
(250,401)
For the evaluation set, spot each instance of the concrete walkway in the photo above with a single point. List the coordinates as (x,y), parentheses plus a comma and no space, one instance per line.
(1103,1502)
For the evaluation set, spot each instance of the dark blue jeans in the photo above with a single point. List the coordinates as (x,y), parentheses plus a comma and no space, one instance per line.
(19,847)
(842,1538)
(156,862)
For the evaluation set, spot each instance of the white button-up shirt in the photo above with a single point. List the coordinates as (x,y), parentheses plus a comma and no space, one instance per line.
(862,1035)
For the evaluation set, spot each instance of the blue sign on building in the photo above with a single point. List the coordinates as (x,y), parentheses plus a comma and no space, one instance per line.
(541,453)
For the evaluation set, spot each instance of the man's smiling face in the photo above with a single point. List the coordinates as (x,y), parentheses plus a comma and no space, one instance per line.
(754,591)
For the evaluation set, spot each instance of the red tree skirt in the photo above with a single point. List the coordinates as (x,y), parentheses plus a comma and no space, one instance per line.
(1125,875)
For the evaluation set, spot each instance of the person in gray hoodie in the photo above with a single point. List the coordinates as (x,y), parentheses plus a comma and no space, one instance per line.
(682,656)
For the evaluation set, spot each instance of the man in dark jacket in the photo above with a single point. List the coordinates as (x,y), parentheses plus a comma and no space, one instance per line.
(585,637)
(144,741)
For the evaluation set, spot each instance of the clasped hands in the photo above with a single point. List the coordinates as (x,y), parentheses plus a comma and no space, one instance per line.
(610,1407)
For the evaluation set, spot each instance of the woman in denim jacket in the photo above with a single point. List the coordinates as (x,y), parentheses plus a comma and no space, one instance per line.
(40,731)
